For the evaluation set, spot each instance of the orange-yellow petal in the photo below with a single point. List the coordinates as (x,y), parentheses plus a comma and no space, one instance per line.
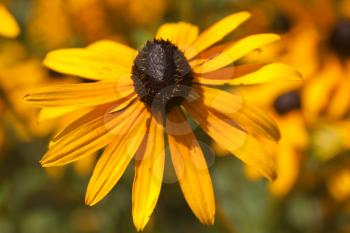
(89,116)
(270,73)
(253,120)
(287,163)
(313,102)
(216,33)
(340,102)
(81,95)
(116,157)
(228,135)
(224,75)
(190,167)
(9,27)
(181,34)
(82,140)
(87,63)
(236,51)
(51,113)
(149,168)
(250,75)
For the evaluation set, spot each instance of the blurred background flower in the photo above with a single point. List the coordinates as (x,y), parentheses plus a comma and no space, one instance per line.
(312,191)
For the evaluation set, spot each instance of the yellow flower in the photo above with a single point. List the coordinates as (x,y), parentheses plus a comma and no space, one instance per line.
(318,46)
(138,103)
(9,27)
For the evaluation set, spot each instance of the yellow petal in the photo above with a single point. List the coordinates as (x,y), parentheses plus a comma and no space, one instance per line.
(338,184)
(9,27)
(313,101)
(236,51)
(87,63)
(287,163)
(123,103)
(216,33)
(190,167)
(87,138)
(270,73)
(149,168)
(51,113)
(115,159)
(340,102)
(85,166)
(253,120)
(85,118)
(224,75)
(81,95)
(121,54)
(181,34)
(239,143)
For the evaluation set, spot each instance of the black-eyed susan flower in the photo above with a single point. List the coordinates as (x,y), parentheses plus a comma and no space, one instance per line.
(317,45)
(138,103)
(9,27)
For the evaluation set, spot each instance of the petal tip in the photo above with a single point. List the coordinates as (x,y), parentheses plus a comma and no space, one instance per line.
(90,200)
(245,14)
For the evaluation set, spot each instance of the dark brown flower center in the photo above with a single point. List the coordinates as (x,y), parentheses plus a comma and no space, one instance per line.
(281,23)
(287,102)
(162,75)
(340,39)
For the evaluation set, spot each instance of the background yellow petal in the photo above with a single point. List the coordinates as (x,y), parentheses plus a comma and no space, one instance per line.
(9,27)
(287,163)
(191,168)
(149,168)
(181,34)
(340,103)
(51,113)
(216,33)
(236,51)
(89,64)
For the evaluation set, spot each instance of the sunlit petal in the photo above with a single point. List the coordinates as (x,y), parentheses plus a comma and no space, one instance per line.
(190,167)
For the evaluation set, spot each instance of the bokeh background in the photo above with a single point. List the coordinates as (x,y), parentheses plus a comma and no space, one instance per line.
(312,193)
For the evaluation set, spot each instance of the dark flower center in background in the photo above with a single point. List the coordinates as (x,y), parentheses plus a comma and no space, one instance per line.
(162,75)
(287,102)
(340,39)
(281,23)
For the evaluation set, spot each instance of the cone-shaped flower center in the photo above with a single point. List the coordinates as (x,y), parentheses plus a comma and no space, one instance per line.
(287,102)
(340,39)
(162,75)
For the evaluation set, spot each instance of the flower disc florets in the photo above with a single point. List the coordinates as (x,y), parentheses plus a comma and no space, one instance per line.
(340,39)
(162,75)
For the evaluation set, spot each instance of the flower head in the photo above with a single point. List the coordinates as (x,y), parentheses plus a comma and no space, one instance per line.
(138,103)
